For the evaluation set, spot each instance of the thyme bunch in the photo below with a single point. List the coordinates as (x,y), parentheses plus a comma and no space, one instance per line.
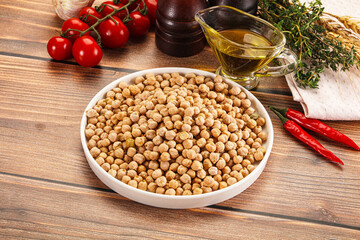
(304,34)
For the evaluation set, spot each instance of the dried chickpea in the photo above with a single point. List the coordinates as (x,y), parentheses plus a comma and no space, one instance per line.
(175,134)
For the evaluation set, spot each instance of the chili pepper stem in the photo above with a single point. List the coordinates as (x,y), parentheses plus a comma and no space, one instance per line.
(282,117)
(283,111)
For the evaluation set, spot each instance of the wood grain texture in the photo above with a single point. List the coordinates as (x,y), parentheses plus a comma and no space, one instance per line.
(48,210)
(43,114)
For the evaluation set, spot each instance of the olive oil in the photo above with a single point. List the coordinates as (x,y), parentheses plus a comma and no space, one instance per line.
(245,59)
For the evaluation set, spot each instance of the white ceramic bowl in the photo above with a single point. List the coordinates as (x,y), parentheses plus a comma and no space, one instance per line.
(176,202)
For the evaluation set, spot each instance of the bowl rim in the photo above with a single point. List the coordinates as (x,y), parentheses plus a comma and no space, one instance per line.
(182,70)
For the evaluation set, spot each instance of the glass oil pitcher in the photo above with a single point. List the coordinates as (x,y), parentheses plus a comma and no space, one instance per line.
(245,45)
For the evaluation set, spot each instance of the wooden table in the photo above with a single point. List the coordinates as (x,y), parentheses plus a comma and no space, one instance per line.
(47,189)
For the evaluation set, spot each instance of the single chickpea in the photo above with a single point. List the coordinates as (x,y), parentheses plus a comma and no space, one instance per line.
(131,173)
(208,181)
(152,186)
(250,168)
(133,183)
(207,164)
(215,132)
(201,174)
(89,133)
(215,186)
(245,103)
(170,175)
(143,185)
(249,141)
(170,191)
(213,171)
(233,127)
(222,185)
(243,151)
(196,165)
(174,184)
(197,191)
(231,180)
(134,117)
(201,142)
(170,135)
(223,138)
(188,144)
(185,178)
(160,190)
(262,136)
(187,192)
(186,162)
(214,157)
(161,181)
(258,155)
(164,165)
(181,170)
(112,172)
(165,156)
(156,174)
(244,172)
(245,163)
(260,121)
(251,123)
(173,153)
(121,173)
(125,179)
(221,163)
(191,173)
(211,147)
(174,166)
(131,151)
(95,152)
(191,154)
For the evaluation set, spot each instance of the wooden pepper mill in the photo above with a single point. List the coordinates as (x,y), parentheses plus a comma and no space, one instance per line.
(249,6)
(176,31)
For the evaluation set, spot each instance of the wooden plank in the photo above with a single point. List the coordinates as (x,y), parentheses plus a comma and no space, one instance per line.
(33,209)
(40,110)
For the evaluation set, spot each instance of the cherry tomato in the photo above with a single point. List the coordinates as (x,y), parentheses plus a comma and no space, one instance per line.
(151,5)
(59,48)
(74,23)
(132,6)
(113,34)
(110,8)
(86,51)
(89,20)
(139,25)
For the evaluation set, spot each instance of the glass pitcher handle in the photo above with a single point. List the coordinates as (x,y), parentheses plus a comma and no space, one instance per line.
(288,60)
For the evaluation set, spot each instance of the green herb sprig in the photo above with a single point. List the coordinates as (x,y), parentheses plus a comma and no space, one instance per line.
(304,34)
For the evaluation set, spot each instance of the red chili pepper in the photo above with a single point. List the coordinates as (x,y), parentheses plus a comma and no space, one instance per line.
(303,136)
(317,126)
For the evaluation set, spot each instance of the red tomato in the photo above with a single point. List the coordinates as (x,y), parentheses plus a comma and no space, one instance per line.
(86,51)
(74,23)
(113,34)
(89,20)
(59,48)
(110,8)
(151,5)
(139,25)
(132,6)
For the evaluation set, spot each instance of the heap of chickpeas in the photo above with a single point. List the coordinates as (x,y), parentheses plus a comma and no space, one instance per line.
(176,134)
